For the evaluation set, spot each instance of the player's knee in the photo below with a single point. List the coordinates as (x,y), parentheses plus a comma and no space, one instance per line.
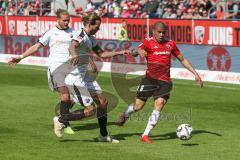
(159,104)
(65,97)
(137,107)
(90,111)
(103,103)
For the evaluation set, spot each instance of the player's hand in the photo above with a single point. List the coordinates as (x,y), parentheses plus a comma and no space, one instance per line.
(127,51)
(199,81)
(74,60)
(14,60)
(131,52)
(94,67)
(134,52)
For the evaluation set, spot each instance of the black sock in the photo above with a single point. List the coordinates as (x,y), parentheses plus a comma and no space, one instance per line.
(102,121)
(74,116)
(64,110)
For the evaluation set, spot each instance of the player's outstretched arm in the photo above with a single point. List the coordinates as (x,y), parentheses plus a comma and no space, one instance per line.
(107,54)
(136,52)
(188,65)
(73,52)
(93,65)
(30,51)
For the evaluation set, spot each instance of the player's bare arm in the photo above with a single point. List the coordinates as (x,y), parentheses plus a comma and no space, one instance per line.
(73,52)
(188,65)
(107,54)
(27,53)
(136,52)
(93,65)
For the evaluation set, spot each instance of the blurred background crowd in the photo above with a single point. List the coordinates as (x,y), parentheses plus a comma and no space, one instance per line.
(175,9)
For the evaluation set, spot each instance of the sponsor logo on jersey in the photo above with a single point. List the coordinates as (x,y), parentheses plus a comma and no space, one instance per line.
(79,38)
(160,53)
(168,46)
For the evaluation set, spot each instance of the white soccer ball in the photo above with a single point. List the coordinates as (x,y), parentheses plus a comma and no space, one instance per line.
(184,131)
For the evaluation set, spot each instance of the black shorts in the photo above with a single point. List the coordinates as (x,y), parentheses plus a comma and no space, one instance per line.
(152,87)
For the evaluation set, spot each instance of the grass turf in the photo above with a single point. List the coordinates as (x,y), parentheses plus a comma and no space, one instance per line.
(27,108)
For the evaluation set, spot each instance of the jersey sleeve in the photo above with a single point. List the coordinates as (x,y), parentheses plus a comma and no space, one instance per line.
(143,45)
(94,42)
(44,40)
(78,37)
(175,50)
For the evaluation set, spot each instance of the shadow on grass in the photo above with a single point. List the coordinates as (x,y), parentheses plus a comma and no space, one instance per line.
(4,130)
(89,126)
(117,136)
(77,140)
(190,144)
(70,140)
(172,135)
(124,135)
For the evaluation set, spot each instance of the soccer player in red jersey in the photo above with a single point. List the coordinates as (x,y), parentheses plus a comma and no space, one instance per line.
(157,83)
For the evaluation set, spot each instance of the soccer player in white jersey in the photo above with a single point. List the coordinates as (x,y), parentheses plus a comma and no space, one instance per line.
(83,42)
(58,38)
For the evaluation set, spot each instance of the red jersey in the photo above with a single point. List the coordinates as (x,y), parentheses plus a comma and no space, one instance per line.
(159,57)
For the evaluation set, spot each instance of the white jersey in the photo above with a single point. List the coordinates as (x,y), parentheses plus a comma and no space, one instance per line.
(58,41)
(86,43)
(84,87)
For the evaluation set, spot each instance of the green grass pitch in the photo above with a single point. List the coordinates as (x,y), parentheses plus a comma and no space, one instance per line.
(27,109)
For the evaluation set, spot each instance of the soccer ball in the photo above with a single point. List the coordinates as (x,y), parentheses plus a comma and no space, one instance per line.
(184,131)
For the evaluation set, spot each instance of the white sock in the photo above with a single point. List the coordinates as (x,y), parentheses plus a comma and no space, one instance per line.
(152,121)
(129,110)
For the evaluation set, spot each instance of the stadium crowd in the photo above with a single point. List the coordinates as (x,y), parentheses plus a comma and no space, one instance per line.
(25,7)
(176,9)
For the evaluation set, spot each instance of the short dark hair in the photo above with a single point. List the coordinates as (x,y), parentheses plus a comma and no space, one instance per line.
(159,24)
(90,18)
(60,12)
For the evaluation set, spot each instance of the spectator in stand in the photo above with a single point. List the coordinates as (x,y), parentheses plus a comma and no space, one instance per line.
(169,14)
(11,9)
(47,8)
(233,10)
(108,8)
(123,3)
(90,6)
(204,15)
(133,6)
(4,5)
(159,12)
(175,5)
(125,12)
(220,11)
(130,8)
(100,11)
(196,15)
(116,10)
(20,7)
(179,13)
(79,11)
(97,3)
(187,14)
(206,4)
(32,9)
(150,8)
(167,4)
